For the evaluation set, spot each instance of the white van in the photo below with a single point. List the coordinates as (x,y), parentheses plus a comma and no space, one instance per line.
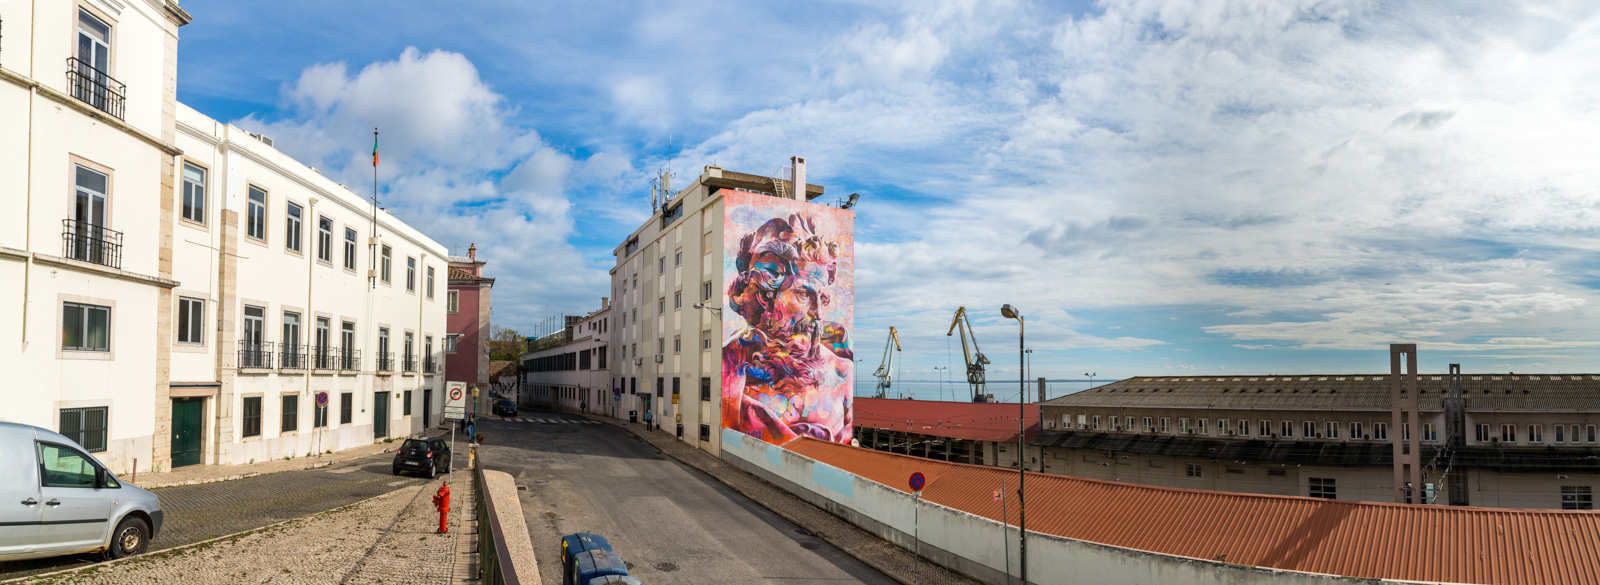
(57,499)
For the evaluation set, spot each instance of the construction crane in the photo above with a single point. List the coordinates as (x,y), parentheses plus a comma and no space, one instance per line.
(975,358)
(885,373)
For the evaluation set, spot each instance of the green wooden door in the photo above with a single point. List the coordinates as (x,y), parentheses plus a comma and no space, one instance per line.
(380,414)
(186,431)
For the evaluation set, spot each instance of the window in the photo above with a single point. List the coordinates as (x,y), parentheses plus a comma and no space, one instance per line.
(1183,425)
(1357,431)
(383,350)
(1264,428)
(705,291)
(90,241)
(94,65)
(1380,431)
(1577,497)
(291,414)
(349,249)
(661,388)
(405,408)
(1083,421)
(1482,435)
(663,262)
(1333,430)
(409,358)
(430,282)
(1561,434)
(1164,422)
(321,350)
(291,228)
(256,216)
(678,258)
(1430,432)
(385,267)
(677,300)
(1575,436)
(86,426)
(677,344)
(450,343)
(1322,487)
(1200,426)
(191,321)
(661,306)
(411,274)
(1193,470)
(1310,430)
(705,340)
(1095,424)
(65,467)
(705,432)
(85,327)
(291,340)
(661,345)
(252,416)
(324,239)
(347,339)
(1508,433)
(602,351)
(705,243)
(1535,433)
(675,382)
(1405,431)
(1286,430)
(1242,427)
(1590,434)
(452,301)
(1129,425)
(194,193)
(1149,424)
(346,402)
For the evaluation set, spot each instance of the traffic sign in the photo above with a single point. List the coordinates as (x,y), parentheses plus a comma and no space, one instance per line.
(917,481)
(322,400)
(455,400)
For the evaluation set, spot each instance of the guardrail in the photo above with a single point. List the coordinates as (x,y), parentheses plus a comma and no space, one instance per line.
(495,566)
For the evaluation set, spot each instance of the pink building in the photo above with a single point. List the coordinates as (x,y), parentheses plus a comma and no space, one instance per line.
(467,324)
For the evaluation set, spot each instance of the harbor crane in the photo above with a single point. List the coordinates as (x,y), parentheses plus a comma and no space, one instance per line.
(975,358)
(885,373)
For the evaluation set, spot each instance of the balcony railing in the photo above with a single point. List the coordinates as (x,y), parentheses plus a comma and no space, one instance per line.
(386,362)
(324,358)
(349,360)
(430,365)
(409,362)
(255,354)
(292,357)
(91,243)
(92,86)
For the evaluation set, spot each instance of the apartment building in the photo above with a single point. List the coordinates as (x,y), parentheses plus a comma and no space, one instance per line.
(174,290)
(571,370)
(466,347)
(675,327)
(1520,440)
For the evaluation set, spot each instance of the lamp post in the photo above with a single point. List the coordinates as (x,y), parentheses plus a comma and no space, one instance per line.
(1010,312)
(1091,378)
(941,380)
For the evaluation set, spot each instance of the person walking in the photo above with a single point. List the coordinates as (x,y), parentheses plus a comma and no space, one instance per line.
(648,418)
(471,427)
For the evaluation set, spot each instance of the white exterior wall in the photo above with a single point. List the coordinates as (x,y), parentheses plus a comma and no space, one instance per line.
(572,390)
(271,276)
(45,132)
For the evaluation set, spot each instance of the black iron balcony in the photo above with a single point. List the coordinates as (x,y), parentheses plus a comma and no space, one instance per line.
(92,86)
(386,362)
(91,243)
(349,360)
(324,358)
(292,357)
(430,365)
(409,362)
(255,354)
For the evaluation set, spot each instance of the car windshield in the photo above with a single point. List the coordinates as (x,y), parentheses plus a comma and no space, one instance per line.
(414,447)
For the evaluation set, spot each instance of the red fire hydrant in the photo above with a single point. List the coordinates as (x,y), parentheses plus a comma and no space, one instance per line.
(441,501)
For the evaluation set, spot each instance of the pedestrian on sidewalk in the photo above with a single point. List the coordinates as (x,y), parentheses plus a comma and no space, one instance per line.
(648,417)
(471,427)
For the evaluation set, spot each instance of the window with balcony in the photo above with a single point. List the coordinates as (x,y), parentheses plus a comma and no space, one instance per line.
(88,73)
(429,364)
(194,193)
(293,356)
(86,236)
(191,321)
(291,228)
(409,359)
(347,344)
(325,239)
(254,351)
(85,327)
(385,359)
(323,353)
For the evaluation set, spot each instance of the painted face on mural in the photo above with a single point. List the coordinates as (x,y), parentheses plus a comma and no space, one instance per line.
(790,365)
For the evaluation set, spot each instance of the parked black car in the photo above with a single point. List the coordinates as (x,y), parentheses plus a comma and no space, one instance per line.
(504,407)
(426,456)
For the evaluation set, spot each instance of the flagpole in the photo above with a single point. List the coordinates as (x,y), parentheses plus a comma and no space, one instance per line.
(372,281)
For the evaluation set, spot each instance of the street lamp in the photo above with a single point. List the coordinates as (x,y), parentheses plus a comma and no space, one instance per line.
(1091,378)
(1010,312)
(714,310)
(941,380)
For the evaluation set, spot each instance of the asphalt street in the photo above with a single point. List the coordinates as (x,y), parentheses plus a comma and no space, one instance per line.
(200,512)
(671,523)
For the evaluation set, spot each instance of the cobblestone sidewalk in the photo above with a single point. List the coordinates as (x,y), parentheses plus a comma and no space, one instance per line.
(198,474)
(887,558)
(389,539)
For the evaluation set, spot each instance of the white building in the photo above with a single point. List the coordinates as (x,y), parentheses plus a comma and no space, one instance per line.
(571,369)
(131,270)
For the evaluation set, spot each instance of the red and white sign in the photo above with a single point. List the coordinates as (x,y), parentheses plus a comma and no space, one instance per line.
(455,400)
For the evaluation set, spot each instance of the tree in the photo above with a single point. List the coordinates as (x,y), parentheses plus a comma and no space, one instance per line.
(504,344)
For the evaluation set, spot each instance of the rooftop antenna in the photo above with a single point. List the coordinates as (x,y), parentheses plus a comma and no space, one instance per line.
(661,187)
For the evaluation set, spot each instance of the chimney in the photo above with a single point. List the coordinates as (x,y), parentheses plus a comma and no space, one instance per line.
(605,302)
(472,251)
(799,164)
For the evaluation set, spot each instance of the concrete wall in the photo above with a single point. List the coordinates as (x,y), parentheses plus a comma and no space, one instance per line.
(977,546)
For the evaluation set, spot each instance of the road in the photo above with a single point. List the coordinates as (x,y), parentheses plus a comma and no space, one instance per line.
(200,512)
(673,524)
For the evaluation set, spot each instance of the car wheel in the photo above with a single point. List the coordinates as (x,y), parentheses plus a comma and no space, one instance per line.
(433,471)
(397,471)
(131,538)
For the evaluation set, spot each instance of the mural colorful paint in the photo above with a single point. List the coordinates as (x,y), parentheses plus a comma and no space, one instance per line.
(787,365)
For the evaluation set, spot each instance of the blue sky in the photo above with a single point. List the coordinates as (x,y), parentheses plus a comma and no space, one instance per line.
(1162,187)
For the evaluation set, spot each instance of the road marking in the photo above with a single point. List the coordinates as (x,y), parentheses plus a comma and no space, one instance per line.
(345,470)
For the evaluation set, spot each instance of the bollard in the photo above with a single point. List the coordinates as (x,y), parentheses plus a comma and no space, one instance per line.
(441,501)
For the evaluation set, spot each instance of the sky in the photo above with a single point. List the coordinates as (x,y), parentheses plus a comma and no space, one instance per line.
(1162,188)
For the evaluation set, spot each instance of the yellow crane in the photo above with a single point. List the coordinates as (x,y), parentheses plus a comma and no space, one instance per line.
(975,358)
(885,373)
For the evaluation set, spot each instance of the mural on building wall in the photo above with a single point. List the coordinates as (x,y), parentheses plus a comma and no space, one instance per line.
(787,366)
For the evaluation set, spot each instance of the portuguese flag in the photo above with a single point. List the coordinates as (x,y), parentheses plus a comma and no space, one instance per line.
(374,149)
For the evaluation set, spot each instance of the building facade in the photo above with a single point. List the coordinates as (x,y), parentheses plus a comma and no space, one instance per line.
(163,276)
(571,370)
(669,288)
(467,306)
(1525,441)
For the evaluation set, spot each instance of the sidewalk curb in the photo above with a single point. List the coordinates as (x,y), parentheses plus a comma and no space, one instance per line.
(206,480)
(889,572)
(151,554)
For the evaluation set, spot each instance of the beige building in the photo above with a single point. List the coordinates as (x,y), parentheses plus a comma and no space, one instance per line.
(1525,440)
(570,369)
(668,352)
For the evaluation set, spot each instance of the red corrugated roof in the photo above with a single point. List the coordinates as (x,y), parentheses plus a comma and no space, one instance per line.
(972,421)
(1358,539)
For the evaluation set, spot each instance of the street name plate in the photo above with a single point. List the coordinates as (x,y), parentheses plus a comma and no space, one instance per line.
(455,412)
